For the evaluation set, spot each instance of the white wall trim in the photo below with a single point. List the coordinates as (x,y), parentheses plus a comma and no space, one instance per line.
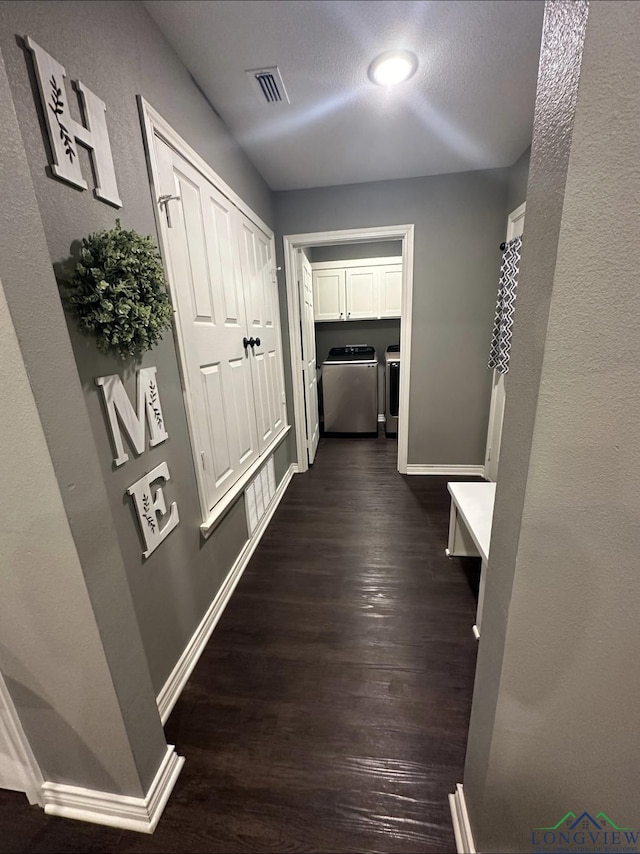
(293,242)
(178,677)
(460,820)
(141,814)
(458,471)
(18,766)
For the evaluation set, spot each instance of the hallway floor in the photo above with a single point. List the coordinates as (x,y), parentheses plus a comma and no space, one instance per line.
(329,712)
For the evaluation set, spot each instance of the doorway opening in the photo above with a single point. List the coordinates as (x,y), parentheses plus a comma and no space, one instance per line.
(348,296)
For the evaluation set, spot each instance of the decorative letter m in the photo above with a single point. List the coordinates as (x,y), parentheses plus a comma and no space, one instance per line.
(121,412)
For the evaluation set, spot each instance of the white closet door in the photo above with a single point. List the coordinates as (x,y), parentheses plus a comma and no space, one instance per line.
(309,362)
(261,302)
(362,293)
(390,290)
(206,286)
(328,294)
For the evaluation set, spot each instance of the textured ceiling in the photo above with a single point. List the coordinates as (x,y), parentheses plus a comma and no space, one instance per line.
(469,106)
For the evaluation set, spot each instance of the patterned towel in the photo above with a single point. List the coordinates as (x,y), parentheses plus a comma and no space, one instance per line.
(500,350)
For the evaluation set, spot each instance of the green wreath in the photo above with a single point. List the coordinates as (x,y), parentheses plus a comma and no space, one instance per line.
(117,292)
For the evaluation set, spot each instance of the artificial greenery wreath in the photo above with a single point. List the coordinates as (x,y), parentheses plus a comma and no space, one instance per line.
(117,292)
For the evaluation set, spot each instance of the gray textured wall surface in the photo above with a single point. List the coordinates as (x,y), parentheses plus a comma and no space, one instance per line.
(70,647)
(557,685)
(353,251)
(116,50)
(564,25)
(459,225)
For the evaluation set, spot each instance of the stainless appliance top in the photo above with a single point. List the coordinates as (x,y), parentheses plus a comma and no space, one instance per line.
(351,354)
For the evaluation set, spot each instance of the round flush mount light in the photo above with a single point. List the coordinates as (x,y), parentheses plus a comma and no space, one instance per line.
(394,66)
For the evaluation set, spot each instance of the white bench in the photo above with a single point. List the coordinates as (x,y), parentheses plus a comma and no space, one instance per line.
(470,528)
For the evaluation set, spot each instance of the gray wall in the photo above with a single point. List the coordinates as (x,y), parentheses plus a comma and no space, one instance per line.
(118,52)
(70,647)
(459,225)
(518,177)
(554,717)
(377,333)
(353,251)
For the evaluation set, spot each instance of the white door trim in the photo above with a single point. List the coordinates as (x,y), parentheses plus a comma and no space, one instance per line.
(496,408)
(293,242)
(152,122)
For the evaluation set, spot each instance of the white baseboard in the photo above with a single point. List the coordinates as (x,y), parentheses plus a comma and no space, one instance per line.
(453,470)
(141,814)
(178,677)
(460,819)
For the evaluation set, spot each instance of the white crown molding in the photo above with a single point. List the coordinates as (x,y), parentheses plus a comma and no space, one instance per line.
(460,820)
(141,814)
(178,677)
(453,470)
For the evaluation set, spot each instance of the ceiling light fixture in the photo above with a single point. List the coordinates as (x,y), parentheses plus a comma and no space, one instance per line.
(394,66)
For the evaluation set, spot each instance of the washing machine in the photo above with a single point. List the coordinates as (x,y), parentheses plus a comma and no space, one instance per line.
(391,387)
(350,389)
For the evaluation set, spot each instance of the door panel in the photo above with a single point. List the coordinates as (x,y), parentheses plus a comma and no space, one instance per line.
(207,291)
(260,292)
(390,294)
(328,294)
(362,293)
(309,366)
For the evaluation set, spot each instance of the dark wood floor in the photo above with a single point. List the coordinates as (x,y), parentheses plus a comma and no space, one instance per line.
(329,711)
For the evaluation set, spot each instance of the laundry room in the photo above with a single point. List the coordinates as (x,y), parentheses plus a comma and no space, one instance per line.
(368,317)
(350,294)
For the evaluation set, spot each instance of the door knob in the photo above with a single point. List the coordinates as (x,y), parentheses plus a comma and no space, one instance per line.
(257,342)
(248,342)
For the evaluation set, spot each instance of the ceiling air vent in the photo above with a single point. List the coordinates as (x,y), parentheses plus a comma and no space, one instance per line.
(268,85)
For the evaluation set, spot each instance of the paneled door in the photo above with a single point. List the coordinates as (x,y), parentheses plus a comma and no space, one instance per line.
(263,328)
(309,365)
(362,293)
(204,269)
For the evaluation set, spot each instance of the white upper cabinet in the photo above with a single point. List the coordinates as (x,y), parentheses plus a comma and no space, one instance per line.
(362,293)
(390,291)
(328,294)
(365,289)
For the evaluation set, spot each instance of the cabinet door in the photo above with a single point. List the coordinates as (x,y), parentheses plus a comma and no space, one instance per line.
(263,325)
(206,286)
(362,293)
(390,290)
(328,294)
